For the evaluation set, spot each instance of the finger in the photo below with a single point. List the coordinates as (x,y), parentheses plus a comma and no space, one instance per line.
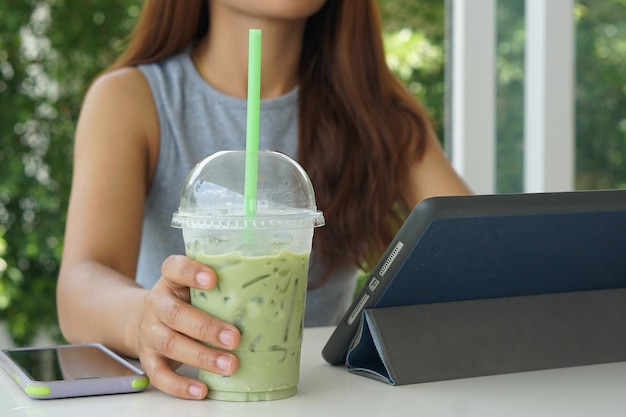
(181,272)
(188,320)
(163,377)
(181,348)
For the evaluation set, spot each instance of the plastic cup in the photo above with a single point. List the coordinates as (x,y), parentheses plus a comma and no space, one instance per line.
(261,262)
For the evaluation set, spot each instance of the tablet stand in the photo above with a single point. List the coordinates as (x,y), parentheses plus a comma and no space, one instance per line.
(433,342)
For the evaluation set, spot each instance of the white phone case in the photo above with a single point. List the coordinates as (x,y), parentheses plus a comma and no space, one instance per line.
(71,371)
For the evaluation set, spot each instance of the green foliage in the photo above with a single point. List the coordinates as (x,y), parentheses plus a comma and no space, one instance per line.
(601,94)
(510,96)
(420,65)
(49,52)
(414,44)
(426,16)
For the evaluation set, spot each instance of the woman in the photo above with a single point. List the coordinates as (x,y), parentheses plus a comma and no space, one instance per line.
(177,95)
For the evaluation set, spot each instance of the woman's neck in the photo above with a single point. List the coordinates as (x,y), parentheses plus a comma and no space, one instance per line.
(222,55)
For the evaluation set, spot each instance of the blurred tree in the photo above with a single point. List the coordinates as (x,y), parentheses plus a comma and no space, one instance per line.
(414,35)
(510,96)
(49,52)
(601,94)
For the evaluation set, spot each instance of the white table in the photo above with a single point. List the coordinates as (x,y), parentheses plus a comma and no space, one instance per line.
(325,391)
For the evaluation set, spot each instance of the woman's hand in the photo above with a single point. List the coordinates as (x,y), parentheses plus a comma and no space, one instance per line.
(171,331)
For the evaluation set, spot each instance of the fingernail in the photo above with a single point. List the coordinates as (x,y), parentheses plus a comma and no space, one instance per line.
(204,279)
(195,391)
(227,337)
(224,363)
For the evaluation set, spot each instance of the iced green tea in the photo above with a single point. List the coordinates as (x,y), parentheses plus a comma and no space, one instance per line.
(264,296)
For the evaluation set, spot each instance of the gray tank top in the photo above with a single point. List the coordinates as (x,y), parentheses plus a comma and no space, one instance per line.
(196,120)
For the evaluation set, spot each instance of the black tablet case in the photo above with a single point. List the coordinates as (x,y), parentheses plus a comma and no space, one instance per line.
(477,248)
(434,342)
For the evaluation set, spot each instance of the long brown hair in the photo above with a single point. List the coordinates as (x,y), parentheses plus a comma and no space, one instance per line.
(360,129)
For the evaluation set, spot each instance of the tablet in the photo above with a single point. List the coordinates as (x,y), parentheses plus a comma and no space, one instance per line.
(486,246)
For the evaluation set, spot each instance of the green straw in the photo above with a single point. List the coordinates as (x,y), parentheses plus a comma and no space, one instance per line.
(252,129)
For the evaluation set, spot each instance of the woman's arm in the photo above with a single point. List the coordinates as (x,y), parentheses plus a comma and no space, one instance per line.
(433,175)
(98,300)
(112,159)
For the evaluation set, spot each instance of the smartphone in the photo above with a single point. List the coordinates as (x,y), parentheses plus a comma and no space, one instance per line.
(71,371)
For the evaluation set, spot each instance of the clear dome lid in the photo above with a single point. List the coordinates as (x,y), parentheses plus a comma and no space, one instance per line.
(213,194)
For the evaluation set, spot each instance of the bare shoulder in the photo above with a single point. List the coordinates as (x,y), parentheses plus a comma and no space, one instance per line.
(125,82)
(119,105)
(124,91)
